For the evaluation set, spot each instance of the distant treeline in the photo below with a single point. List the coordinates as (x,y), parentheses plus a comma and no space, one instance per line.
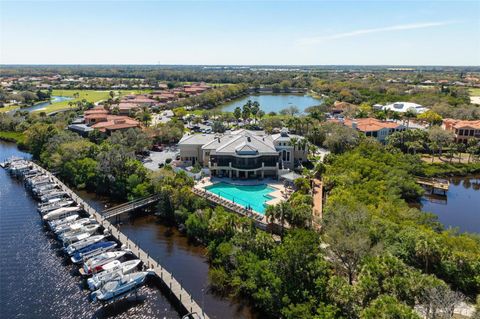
(216,74)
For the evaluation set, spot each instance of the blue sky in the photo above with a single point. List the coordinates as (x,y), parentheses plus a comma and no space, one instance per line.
(240,32)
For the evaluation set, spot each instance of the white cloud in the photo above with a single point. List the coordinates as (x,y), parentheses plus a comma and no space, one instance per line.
(400,27)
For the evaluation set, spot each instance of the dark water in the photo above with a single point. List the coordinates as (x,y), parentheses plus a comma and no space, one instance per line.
(186,261)
(274,102)
(40,106)
(37,282)
(460,207)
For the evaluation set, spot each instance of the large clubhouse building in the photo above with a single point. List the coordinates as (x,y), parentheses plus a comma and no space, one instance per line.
(244,153)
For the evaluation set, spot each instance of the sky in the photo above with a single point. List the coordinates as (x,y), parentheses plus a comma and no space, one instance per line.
(241,32)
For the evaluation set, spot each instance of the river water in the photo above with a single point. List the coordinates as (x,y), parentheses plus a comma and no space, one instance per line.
(37,282)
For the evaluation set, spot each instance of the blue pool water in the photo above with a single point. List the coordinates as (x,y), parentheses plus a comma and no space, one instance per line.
(255,196)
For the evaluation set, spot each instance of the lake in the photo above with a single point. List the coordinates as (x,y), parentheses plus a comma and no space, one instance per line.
(36,281)
(460,207)
(42,105)
(273,102)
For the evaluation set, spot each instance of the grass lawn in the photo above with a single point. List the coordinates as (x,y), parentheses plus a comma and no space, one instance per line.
(89,95)
(9,108)
(16,137)
(474,92)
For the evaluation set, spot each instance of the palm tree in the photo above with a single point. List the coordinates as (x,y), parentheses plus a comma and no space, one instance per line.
(279,212)
(433,146)
(409,114)
(472,146)
(294,141)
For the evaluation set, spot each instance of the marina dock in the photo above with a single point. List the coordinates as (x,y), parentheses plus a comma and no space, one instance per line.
(183,297)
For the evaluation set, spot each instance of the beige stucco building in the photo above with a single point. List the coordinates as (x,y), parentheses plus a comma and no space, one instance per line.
(244,153)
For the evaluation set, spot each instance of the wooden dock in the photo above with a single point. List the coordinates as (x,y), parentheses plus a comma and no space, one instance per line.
(434,183)
(184,298)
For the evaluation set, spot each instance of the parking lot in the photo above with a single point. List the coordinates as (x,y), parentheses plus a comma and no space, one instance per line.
(157,158)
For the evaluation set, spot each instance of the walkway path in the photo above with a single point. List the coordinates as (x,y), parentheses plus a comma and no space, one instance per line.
(317,201)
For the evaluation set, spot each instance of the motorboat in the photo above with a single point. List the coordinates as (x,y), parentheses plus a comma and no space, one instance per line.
(73,248)
(54,194)
(72,225)
(47,189)
(111,271)
(79,234)
(38,181)
(61,212)
(92,251)
(114,289)
(54,224)
(44,188)
(58,203)
(95,264)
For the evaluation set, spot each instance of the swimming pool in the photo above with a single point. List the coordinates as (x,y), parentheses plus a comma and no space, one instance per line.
(254,196)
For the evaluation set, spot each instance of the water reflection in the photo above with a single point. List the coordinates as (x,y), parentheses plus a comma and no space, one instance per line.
(460,207)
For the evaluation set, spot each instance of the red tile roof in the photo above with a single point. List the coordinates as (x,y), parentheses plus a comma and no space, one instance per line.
(450,124)
(115,122)
(369,124)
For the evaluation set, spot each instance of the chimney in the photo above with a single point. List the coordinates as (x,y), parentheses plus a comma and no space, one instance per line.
(354,125)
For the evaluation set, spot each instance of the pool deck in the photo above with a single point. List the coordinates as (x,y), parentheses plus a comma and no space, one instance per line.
(279,194)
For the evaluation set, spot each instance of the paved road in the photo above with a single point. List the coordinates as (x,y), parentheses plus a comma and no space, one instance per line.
(160,158)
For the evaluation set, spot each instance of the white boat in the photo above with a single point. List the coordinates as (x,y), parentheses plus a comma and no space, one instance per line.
(49,188)
(54,224)
(54,194)
(119,287)
(72,248)
(112,271)
(58,203)
(61,212)
(92,250)
(72,225)
(95,264)
(41,189)
(79,234)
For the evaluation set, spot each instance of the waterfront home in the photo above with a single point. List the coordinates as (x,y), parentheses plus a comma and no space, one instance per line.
(243,153)
(463,130)
(403,107)
(372,127)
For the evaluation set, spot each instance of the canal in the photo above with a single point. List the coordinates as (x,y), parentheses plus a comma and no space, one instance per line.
(36,281)
(274,102)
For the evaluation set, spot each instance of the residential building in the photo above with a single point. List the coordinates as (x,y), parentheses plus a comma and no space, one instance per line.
(99,119)
(463,130)
(372,127)
(403,107)
(243,153)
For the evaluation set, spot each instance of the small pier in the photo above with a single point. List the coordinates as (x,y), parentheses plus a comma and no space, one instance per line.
(434,183)
(182,296)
